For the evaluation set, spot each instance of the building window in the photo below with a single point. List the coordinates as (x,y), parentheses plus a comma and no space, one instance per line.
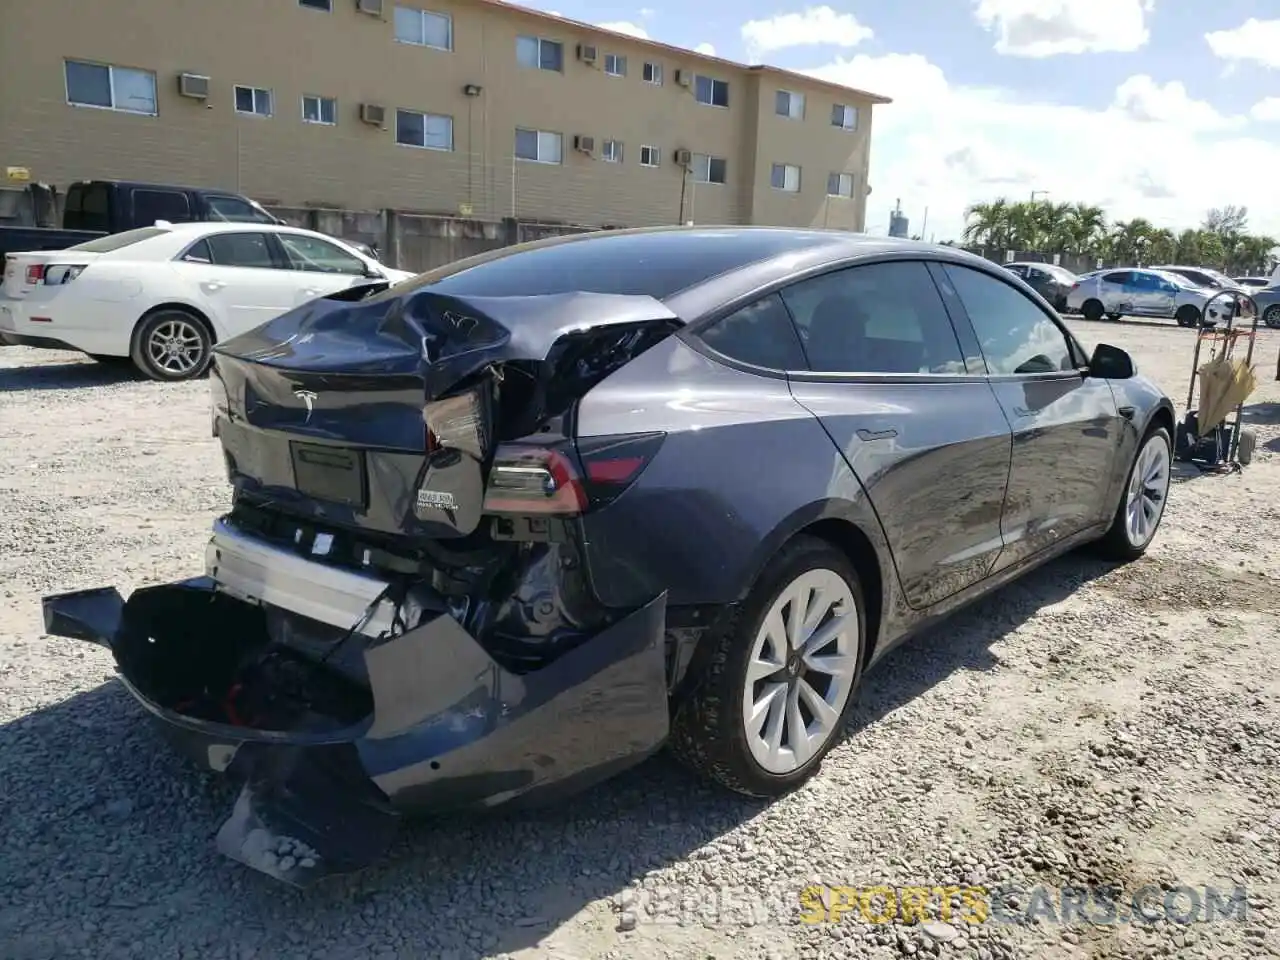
(785,176)
(615,65)
(649,156)
(539,146)
(319,110)
(840,185)
(788,104)
(539,53)
(255,101)
(611,151)
(430,130)
(714,93)
(112,88)
(653,74)
(708,169)
(325,5)
(844,117)
(424,28)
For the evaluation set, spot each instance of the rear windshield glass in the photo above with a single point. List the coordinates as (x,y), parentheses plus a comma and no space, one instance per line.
(658,264)
(117,240)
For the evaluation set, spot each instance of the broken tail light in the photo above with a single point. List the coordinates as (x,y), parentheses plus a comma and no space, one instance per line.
(35,273)
(460,422)
(56,274)
(548,480)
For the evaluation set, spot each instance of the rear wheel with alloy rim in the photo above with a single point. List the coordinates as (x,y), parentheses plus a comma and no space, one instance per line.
(773,686)
(172,345)
(1271,316)
(1145,495)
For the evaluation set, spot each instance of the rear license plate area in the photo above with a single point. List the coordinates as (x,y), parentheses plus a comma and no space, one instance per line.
(333,474)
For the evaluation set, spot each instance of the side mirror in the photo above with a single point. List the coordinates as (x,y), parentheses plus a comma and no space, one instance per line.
(1110,362)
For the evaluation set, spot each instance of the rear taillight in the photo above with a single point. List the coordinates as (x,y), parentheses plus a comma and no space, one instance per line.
(1075,286)
(459,423)
(35,273)
(551,481)
(56,274)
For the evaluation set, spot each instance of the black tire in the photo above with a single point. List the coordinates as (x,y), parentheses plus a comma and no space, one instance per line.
(1271,316)
(1092,310)
(174,324)
(1187,315)
(707,731)
(1113,317)
(1116,544)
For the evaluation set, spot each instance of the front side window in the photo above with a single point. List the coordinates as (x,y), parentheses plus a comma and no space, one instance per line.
(319,256)
(710,91)
(255,101)
(760,334)
(540,146)
(424,28)
(430,130)
(878,318)
(241,250)
(708,169)
(1016,336)
(539,53)
(112,88)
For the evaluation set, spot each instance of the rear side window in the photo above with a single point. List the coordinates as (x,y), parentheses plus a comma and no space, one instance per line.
(152,205)
(760,334)
(878,318)
(117,241)
(1120,276)
(241,250)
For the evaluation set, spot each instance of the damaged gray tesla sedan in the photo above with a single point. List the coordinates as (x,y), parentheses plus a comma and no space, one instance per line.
(505,529)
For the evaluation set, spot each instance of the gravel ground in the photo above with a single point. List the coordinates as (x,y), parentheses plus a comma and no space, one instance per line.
(1084,726)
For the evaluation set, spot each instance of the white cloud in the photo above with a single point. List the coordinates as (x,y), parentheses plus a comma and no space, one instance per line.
(1254,40)
(1142,98)
(1154,152)
(706,49)
(1266,111)
(814,26)
(627,27)
(1046,28)
(646,13)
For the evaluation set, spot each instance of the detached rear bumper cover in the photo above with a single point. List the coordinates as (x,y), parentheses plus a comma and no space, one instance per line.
(449,727)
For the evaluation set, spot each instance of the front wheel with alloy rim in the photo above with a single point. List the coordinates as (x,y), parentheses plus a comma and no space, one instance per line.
(1144,498)
(774,684)
(1271,316)
(172,345)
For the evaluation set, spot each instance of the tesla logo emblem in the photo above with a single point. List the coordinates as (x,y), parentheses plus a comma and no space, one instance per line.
(309,398)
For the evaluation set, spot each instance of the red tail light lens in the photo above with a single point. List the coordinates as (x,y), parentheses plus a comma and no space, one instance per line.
(612,464)
(529,479)
(35,273)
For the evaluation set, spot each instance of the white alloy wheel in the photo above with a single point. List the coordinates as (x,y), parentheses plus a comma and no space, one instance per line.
(1148,491)
(801,671)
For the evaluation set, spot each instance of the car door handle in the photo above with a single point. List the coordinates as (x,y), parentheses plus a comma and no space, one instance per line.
(1025,413)
(868,435)
(1128,412)
(213,284)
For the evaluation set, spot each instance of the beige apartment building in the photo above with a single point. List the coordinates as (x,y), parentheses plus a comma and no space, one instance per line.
(463,107)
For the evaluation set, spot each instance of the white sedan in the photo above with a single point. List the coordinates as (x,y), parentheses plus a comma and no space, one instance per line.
(1145,293)
(162,296)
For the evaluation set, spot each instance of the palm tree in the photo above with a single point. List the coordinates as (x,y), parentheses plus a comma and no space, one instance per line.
(1085,226)
(988,224)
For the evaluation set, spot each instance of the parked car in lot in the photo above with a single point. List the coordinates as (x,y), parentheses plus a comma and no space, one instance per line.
(505,529)
(162,296)
(1049,280)
(1144,293)
(1202,277)
(1268,301)
(1252,283)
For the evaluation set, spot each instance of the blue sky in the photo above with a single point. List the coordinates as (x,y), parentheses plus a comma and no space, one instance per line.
(1153,108)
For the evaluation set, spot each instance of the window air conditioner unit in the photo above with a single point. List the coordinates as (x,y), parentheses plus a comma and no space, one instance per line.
(587,52)
(193,85)
(684,157)
(584,144)
(684,78)
(371,7)
(374,114)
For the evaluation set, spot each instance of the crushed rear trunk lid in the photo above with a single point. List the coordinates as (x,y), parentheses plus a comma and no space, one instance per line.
(382,410)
